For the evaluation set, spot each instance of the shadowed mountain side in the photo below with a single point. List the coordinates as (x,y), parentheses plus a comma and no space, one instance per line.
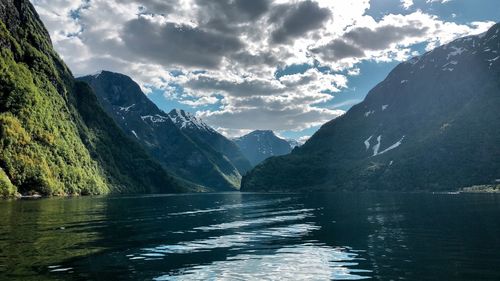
(432,124)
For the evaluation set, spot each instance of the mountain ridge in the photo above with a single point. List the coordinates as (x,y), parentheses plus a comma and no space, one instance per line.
(259,145)
(154,129)
(430,125)
(206,135)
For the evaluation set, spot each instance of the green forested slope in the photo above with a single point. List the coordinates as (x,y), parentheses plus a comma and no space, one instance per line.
(54,138)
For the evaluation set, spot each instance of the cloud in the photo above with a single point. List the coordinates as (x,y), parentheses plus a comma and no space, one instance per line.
(383,37)
(438,1)
(390,38)
(176,44)
(202,101)
(231,12)
(296,20)
(406,4)
(288,118)
(338,49)
(303,139)
(225,53)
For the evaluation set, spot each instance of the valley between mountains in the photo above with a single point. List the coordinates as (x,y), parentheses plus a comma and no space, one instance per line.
(431,125)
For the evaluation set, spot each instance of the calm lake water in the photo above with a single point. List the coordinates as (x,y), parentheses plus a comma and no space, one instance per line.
(233,236)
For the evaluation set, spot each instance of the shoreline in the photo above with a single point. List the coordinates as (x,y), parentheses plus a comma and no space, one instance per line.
(486,188)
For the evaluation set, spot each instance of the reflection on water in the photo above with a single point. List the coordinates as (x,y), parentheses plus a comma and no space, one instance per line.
(233,236)
(301,262)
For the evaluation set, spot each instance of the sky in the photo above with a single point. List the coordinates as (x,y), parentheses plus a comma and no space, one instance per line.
(242,65)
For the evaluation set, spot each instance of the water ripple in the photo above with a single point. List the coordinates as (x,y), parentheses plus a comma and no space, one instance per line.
(302,262)
(259,203)
(250,222)
(238,239)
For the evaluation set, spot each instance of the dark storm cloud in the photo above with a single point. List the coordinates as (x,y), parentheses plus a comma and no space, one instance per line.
(243,88)
(337,50)
(232,11)
(295,20)
(382,37)
(178,44)
(353,43)
(247,59)
(156,6)
(254,8)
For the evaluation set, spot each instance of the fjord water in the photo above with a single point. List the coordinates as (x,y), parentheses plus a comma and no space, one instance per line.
(238,236)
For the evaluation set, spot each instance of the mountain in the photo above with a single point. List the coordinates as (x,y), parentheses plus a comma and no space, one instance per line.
(154,129)
(54,137)
(432,124)
(260,145)
(204,135)
(293,143)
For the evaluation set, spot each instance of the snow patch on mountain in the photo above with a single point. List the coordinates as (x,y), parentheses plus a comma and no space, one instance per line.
(456,51)
(186,120)
(377,146)
(397,144)
(367,142)
(126,109)
(154,118)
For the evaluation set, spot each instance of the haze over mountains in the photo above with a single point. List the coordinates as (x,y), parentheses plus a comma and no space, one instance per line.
(259,145)
(432,124)
(207,136)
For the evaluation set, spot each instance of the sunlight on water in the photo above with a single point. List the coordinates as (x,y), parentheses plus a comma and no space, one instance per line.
(239,224)
(238,239)
(302,262)
(262,257)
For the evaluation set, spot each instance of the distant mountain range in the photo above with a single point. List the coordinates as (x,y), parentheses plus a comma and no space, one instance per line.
(179,141)
(432,124)
(261,144)
(204,135)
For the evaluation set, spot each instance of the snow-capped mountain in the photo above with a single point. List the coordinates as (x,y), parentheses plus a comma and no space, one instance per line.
(205,135)
(143,121)
(431,124)
(187,121)
(262,144)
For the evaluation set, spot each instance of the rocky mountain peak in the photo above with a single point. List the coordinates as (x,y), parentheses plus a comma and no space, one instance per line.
(186,120)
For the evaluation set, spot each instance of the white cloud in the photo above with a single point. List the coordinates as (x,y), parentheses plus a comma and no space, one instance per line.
(391,38)
(228,56)
(303,139)
(438,1)
(406,4)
